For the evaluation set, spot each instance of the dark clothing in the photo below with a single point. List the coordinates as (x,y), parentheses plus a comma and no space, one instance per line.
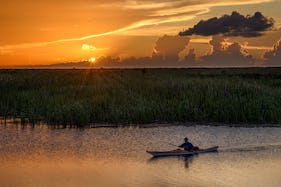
(187,146)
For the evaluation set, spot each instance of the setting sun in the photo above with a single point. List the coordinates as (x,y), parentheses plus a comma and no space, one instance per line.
(92,60)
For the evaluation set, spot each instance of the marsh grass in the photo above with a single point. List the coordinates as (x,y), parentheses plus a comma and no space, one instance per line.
(81,97)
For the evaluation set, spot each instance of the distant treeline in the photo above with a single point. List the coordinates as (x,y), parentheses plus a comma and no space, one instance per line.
(137,96)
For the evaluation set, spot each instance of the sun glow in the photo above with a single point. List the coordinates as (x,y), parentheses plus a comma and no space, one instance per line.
(92,60)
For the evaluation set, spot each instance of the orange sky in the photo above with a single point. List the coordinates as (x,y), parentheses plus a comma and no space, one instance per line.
(37,32)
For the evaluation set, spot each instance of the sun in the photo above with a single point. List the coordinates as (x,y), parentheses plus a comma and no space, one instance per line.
(92,60)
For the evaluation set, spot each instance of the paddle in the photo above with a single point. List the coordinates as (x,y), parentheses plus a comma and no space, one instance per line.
(171,144)
(194,147)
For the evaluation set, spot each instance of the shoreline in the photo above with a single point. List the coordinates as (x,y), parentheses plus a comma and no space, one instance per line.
(187,124)
(156,124)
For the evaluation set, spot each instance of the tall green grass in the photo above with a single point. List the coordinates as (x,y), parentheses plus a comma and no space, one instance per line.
(80,97)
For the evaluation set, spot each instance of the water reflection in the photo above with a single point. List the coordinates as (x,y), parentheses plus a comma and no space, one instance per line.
(43,156)
(185,160)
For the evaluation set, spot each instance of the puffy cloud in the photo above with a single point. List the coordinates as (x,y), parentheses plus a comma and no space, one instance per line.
(224,54)
(273,57)
(167,48)
(232,25)
(190,58)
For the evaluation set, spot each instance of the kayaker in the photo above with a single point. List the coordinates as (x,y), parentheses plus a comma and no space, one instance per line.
(187,145)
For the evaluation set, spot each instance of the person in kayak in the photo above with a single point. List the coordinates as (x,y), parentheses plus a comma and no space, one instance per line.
(187,145)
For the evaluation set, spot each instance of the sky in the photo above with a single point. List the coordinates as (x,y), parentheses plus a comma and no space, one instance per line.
(140,32)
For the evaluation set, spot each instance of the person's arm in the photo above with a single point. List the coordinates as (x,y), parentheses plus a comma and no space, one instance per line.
(182,145)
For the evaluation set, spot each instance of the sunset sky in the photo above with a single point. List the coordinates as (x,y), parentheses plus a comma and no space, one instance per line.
(40,32)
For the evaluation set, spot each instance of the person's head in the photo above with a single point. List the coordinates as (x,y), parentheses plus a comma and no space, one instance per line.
(185,139)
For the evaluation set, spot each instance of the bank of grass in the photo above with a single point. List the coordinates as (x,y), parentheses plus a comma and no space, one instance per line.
(81,97)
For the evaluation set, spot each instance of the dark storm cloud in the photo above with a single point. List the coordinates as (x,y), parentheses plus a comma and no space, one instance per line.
(232,25)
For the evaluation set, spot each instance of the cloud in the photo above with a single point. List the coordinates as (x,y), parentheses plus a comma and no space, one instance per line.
(165,54)
(232,25)
(224,54)
(273,57)
(190,58)
(167,48)
(87,47)
(145,15)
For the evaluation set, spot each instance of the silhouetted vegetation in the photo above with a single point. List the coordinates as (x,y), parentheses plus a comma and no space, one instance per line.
(80,97)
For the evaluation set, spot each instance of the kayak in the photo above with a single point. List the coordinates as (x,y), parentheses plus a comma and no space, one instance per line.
(180,152)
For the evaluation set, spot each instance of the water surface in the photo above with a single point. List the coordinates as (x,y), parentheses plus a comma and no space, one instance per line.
(42,156)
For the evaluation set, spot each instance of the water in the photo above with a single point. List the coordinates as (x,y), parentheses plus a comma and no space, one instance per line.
(42,156)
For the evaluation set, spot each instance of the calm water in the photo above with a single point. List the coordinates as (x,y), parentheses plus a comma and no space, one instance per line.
(42,156)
